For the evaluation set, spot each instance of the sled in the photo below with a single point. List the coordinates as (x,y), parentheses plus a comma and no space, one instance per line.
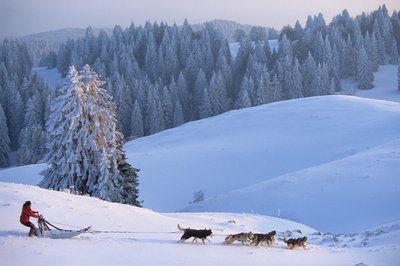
(57,233)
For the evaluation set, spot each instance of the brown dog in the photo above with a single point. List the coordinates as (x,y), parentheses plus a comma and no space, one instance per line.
(267,238)
(245,238)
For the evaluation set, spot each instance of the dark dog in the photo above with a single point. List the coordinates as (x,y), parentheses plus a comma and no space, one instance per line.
(267,238)
(296,242)
(195,233)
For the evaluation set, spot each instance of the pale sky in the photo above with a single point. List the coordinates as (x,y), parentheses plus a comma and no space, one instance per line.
(22,17)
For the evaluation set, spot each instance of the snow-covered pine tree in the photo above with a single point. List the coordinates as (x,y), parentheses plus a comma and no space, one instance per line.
(137,129)
(365,76)
(4,140)
(205,109)
(31,144)
(178,114)
(309,73)
(126,181)
(85,149)
(243,100)
(276,92)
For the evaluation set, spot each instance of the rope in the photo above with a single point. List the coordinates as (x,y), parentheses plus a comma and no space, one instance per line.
(77,227)
(129,232)
(116,232)
(65,230)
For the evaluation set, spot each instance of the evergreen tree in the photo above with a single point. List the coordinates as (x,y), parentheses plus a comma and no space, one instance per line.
(4,140)
(205,109)
(31,144)
(127,178)
(243,100)
(154,117)
(296,88)
(125,109)
(184,97)
(167,107)
(137,129)
(178,114)
(201,83)
(275,94)
(308,75)
(365,76)
(85,149)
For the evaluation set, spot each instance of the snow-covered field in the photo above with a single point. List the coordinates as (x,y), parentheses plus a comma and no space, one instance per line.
(152,237)
(329,163)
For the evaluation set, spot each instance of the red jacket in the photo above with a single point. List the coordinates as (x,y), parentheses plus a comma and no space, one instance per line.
(26,213)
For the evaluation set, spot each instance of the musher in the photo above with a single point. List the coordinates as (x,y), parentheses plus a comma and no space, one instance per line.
(26,214)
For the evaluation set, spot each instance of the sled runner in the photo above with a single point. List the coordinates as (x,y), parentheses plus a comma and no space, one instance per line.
(56,233)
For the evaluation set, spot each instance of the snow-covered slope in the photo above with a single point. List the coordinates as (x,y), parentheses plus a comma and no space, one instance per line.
(245,147)
(150,238)
(347,195)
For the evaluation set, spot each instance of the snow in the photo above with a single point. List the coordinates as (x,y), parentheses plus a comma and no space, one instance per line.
(52,76)
(323,167)
(152,237)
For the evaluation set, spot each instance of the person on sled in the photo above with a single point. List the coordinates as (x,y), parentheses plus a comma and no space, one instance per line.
(26,214)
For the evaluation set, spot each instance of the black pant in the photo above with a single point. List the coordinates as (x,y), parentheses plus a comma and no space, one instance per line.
(32,231)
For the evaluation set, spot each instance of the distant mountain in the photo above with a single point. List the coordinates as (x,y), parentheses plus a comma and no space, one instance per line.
(43,43)
(61,35)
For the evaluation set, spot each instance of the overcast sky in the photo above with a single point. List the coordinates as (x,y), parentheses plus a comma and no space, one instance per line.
(22,17)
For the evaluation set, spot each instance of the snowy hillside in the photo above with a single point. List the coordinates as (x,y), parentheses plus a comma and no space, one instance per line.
(128,235)
(245,147)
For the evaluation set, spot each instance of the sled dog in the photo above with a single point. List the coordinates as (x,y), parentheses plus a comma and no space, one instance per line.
(267,238)
(195,233)
(245,238)
(296,242)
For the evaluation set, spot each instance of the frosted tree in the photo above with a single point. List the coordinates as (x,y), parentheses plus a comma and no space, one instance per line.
(178,114)
(85,149)
(205,109)
(275,94)
(32,144)
(32,137)
(365,76)
(259,53)
(264,86)
(241,60)
(125,107)
(15,114)
(243,100)
(218,94)
(309,72)
(137,129)
(167,107)
(154,117)
(151,59)
(201,83)
(4,140)
(296,87)
(183,94)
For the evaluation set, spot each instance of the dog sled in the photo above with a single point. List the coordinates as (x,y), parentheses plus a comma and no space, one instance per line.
(49,230)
